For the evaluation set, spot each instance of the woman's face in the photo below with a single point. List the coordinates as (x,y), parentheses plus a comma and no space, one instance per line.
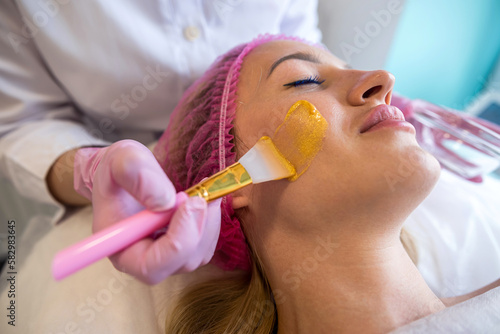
(372,175)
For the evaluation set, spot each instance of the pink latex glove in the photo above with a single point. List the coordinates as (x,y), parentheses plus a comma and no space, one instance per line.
(125,178)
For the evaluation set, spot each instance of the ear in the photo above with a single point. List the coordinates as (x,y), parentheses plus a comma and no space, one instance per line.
(240,200)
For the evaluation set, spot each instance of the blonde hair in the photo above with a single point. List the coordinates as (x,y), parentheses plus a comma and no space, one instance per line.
(409,244)
(242,303)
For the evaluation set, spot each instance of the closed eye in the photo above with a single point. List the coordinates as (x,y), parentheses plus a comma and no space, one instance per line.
(311,80)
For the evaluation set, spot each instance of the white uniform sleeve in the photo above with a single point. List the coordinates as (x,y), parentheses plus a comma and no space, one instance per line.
(301,19)
(37,119)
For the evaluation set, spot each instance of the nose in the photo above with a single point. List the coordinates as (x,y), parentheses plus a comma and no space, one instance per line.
(371,86)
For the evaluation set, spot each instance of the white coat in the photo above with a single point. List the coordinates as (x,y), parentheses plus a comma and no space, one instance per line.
(76,73)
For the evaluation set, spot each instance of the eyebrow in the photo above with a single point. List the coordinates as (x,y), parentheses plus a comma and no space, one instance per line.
(299,55)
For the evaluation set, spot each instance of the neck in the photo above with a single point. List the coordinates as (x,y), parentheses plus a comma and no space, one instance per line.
(350,288)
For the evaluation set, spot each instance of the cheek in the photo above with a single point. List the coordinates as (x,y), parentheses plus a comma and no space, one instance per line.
(392,165)
(348,170)
(256,119)
(284,205)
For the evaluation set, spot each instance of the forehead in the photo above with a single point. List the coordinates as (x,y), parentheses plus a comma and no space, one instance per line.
(266,54)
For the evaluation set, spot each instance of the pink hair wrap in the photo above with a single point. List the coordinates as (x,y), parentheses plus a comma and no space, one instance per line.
(198,142)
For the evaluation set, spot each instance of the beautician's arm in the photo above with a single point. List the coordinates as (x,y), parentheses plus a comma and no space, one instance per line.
(455,300)
(38,121)
(60,180)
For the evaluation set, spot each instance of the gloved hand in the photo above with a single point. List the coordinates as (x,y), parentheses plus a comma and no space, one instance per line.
(125,178)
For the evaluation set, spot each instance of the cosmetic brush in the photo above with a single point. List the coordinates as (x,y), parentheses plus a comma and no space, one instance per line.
(287,155)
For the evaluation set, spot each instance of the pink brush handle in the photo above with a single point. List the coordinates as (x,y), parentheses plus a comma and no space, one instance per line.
(110,240)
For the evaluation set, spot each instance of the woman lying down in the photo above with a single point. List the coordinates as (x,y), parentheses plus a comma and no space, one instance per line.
(322,254)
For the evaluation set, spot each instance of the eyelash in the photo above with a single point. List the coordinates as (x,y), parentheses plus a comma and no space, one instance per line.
(311,80)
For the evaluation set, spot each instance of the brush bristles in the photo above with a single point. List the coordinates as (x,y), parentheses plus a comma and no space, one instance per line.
(264,162)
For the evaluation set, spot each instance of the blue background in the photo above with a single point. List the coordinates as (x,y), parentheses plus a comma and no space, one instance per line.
(444,50)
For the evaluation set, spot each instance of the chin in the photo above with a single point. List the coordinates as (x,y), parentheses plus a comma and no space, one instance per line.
(414,176)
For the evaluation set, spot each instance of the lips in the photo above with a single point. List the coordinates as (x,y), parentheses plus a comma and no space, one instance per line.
(380,114)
